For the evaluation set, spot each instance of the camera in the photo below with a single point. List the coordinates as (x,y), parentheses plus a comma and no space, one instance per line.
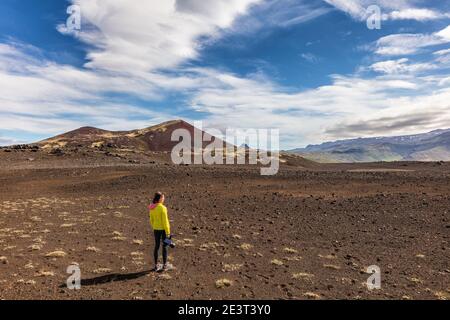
(169,243)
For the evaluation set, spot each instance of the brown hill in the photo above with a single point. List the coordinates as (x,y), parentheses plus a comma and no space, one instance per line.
(155,138)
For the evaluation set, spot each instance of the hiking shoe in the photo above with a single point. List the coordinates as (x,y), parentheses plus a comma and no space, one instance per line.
(162,269)
(169,267)
(158,268)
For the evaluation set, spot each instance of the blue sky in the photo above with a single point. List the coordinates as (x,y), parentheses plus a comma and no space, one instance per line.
(311,68)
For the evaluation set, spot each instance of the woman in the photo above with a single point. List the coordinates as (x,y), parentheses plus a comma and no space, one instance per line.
(159,221)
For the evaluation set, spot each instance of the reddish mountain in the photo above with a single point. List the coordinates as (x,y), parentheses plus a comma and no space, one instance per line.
(155,138)
(135,145)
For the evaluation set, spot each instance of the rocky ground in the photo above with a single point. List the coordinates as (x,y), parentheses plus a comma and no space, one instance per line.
(308,233)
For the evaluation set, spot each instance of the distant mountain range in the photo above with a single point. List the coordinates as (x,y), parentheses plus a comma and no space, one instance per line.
(431,146)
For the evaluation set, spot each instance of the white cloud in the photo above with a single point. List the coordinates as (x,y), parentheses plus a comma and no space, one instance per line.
(415,14)
(309,57)
(410,43)
(151,34)
(401,115)
(442,52)
(285,13)
(392,10)
(443,56)
(355,8)
(269,15)
(444,34)
(37,95)
(402,66)
(316,115)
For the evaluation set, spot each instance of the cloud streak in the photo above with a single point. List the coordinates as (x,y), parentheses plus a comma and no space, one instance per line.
(403,65)
(410,43)
(391,10)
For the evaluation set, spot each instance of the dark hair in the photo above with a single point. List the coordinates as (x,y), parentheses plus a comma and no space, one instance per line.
(157,197)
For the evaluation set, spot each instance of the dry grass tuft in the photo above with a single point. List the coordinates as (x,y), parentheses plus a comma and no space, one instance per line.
(223,283)
(67,225)
(302,276)
(231,267)
(293,258)
(118,236)
(44,273)
(137,254)
(35,247)
(118,214)
(164,276)
(277,262)
(185,243)
(102,270)
(245,246)
(210,246)
(56,254)
(311,295)
(29,282)
(442,295)
(329,256)
(331,266)
(415,280)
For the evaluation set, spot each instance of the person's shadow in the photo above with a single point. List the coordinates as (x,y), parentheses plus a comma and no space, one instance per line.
(115,277)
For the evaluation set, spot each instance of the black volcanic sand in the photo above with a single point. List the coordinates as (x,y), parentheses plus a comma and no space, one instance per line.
(307,233)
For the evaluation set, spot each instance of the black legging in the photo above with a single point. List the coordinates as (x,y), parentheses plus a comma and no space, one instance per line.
(160,236)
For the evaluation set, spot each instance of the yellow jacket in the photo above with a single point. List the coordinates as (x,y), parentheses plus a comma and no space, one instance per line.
(159,219)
